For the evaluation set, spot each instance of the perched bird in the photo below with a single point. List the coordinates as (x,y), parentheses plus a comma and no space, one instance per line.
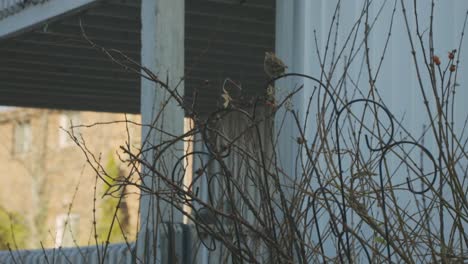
(273,66)
(206,216)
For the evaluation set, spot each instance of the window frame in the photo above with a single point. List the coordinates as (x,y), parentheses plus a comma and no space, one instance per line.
(22,130)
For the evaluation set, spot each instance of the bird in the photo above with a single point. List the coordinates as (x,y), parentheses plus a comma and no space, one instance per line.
(206,216)
(273,65)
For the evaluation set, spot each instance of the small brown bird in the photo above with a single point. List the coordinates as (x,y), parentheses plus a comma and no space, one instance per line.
(273,66)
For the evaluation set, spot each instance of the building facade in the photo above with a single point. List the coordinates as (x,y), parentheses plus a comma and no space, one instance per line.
(47,178)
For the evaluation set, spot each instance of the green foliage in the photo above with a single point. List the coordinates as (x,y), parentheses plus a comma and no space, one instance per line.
(108,207)
(13,230)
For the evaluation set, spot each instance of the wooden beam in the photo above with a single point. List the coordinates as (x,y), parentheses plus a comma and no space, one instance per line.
(34,15)
(162,52)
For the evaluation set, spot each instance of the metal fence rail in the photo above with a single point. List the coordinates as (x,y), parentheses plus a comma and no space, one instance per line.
(177,245)
(116,253)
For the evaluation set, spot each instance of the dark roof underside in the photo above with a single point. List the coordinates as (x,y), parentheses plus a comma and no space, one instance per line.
(54,66)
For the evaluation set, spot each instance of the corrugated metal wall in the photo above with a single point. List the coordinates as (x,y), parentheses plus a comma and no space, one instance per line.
(226,40)
(302,34)
(53,66)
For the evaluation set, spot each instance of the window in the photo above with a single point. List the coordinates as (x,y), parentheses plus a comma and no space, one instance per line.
(22,137)
(67,122)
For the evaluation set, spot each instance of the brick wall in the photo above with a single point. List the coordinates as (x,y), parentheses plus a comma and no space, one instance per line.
(44,179)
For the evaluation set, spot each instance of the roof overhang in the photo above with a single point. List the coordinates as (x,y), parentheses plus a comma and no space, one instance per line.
(46,61)
(19,16)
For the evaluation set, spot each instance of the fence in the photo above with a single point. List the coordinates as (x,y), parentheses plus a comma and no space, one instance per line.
(117,253)
(176,246)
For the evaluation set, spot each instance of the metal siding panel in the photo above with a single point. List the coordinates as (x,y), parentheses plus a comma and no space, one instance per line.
(397,82)
(220,32)
(178,243)
(63,38)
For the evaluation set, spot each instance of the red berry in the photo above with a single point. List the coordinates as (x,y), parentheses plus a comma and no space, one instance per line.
(436,60)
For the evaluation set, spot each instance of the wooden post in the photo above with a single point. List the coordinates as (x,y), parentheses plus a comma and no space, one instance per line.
(162,52)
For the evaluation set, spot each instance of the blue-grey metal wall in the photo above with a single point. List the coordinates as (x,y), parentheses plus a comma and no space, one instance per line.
(303,42)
